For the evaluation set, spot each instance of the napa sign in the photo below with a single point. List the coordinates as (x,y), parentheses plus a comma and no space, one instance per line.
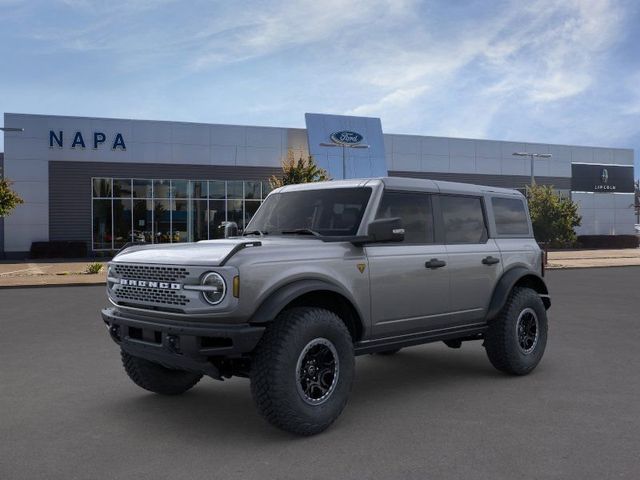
(98,139)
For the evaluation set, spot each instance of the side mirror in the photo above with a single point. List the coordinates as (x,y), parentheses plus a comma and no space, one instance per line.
(230,229)
(386,230)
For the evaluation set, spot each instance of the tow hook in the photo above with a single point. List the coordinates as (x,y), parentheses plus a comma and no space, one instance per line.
(173,343)
(114,331)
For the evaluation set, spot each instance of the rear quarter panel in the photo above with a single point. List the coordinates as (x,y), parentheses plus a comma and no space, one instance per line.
(520,252)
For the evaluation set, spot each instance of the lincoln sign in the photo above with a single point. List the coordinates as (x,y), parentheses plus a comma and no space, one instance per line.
(603,178)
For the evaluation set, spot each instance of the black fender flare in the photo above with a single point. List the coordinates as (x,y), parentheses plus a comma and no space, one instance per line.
(509,280)
(281,297)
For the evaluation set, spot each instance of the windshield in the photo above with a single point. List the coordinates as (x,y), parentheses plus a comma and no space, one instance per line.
(327,212)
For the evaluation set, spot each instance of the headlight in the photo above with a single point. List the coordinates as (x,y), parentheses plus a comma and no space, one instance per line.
(215,288)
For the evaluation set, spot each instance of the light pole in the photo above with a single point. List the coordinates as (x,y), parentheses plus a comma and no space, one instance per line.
(531,157)
(344,153)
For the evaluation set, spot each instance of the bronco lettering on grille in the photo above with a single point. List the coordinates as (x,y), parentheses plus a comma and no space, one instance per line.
(150,284)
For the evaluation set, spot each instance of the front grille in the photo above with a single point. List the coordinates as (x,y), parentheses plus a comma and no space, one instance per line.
(151,295)
(150,272)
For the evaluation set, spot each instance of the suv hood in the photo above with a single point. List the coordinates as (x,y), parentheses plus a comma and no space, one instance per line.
(208,252)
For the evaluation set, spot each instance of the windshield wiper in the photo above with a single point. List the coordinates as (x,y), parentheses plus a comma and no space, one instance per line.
(255,232)
(301,231)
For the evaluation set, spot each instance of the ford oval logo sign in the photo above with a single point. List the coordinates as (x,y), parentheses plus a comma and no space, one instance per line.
(346,137)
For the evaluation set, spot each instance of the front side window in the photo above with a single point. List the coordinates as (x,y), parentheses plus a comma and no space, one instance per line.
(463,219)
(329,212)
(414,209)
(510,215)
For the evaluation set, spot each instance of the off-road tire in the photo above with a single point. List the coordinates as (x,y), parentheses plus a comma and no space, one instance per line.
(385,353)
(501,340)
(275,376)
(156,378)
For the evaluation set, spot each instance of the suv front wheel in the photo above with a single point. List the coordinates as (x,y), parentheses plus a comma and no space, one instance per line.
(302,370)
(517,337)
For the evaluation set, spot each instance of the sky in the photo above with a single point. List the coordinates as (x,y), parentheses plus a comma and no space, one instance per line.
(538,70)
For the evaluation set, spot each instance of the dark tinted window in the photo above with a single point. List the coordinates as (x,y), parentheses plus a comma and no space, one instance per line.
(101,187)
(180,188)
(122,187)
(511,216)
(328,211)
(142,188)
(414,209)
(463,219)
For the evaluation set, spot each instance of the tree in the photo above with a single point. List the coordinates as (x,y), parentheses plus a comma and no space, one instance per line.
(553,216)
(299,171)
(8,198)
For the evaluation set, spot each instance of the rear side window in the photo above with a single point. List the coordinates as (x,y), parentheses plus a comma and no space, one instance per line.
(463,219)
(510,215)
(414,209)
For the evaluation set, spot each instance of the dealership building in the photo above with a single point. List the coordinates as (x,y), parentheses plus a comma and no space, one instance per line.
(106,182)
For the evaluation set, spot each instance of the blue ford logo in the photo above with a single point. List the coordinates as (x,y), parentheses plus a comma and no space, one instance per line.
(346,137)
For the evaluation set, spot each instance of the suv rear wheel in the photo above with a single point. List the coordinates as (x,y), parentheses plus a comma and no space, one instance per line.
(516,339)
(156,378)
(302,370)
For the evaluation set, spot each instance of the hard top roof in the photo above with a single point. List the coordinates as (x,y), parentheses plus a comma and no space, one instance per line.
(403,183)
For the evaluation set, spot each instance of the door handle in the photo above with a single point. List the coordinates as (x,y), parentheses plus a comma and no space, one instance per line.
(490,260)
(435,263)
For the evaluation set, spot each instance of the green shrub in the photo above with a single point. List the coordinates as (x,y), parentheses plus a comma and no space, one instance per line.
(94,268)
(8,198)
(554,217)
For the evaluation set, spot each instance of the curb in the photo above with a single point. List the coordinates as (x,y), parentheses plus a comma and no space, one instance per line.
(589,266)
(52,285)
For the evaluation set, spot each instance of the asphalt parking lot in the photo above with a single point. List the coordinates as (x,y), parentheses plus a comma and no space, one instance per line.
(67,410)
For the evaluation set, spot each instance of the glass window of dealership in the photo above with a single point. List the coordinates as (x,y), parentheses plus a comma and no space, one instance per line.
(169,211)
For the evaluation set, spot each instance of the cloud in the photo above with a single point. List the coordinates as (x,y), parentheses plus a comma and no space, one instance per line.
(531,56)
(123,7)
(631,105)
(282,25)
(397,99)
(551,52)
(544,48)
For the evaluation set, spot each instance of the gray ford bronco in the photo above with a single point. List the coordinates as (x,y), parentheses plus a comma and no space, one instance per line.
(322,273)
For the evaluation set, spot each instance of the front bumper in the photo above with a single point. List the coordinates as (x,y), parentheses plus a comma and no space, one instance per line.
(178,344)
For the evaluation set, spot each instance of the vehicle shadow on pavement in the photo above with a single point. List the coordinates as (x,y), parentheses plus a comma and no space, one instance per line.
(422,369)
(210,408)
(213,409)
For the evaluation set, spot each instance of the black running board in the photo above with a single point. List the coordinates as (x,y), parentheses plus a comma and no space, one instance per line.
(466,332)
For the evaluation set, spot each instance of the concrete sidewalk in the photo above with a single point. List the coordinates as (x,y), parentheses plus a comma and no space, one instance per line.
(594,258)
(49,272)
(72,272)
